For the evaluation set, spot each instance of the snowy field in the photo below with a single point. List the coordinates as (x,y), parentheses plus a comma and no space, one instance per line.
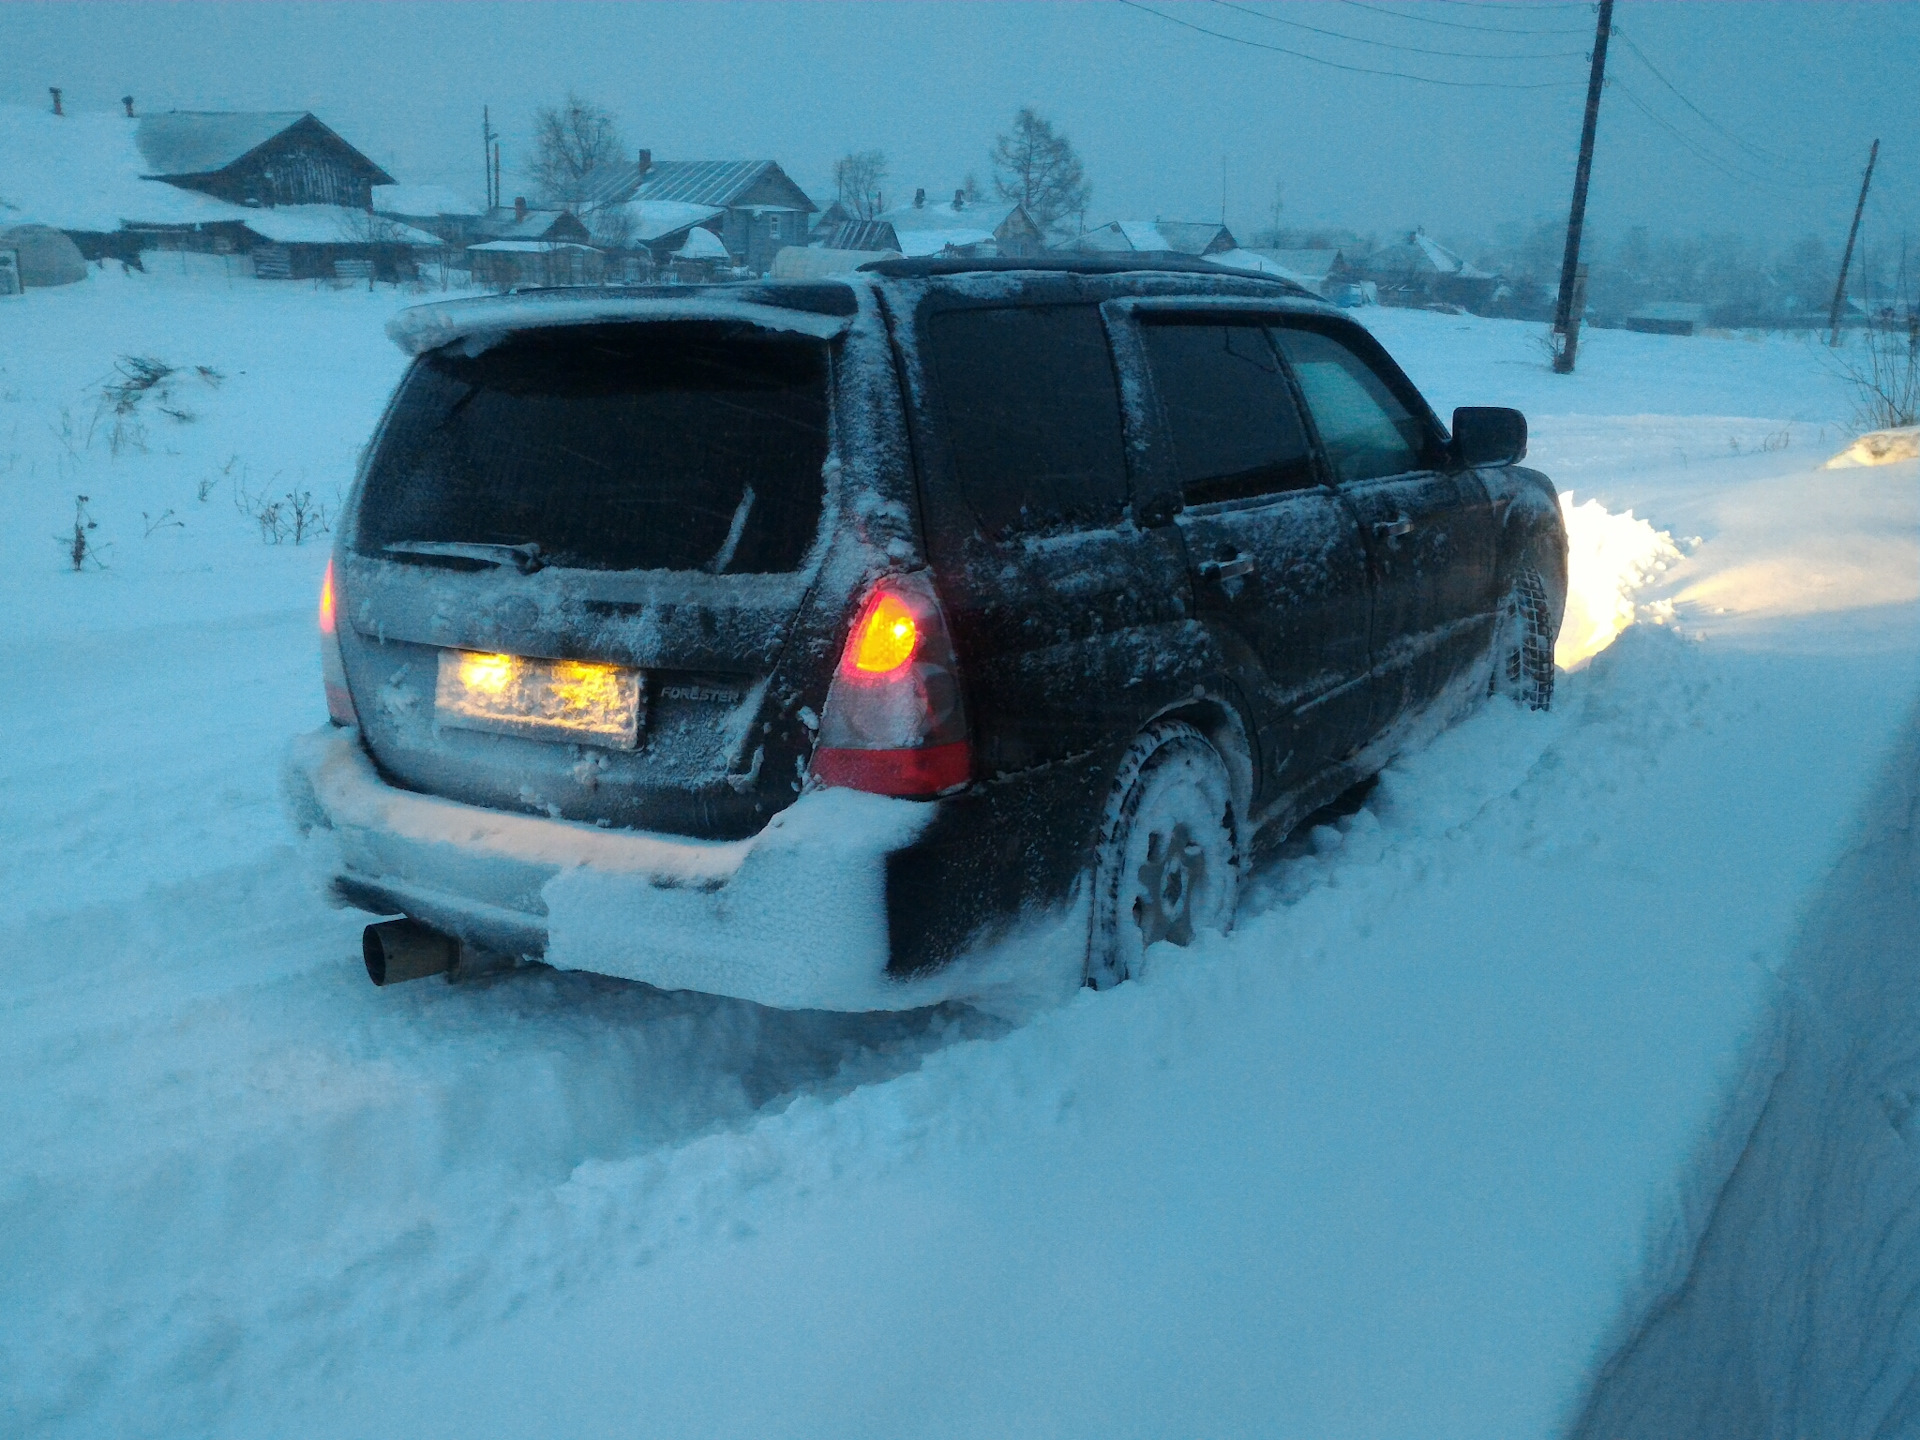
(1570,1085)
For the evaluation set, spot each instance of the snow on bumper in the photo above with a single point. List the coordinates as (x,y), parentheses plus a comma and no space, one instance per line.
(794,916)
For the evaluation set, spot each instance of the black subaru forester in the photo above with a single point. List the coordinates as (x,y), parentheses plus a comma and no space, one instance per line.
(808,642)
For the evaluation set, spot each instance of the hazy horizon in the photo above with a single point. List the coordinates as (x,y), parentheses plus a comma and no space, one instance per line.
(1766,135)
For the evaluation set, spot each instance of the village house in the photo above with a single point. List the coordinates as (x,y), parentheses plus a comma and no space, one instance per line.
(761,210)
(278,188)
(972,228)
(1420,272)
(437,209)
(1199,238)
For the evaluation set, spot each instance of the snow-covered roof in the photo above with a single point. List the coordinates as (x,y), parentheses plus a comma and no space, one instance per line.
(1260,264)
(527,247)
(974,217)
(1312,263)
(422,200)
(703,245)
(329,225)
(654,219)
(1179,237)
(83,172)
(198,142)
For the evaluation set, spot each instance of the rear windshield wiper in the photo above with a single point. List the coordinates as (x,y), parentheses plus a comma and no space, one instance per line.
(525,557)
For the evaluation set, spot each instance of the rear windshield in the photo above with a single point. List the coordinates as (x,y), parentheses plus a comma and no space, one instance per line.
(627,447)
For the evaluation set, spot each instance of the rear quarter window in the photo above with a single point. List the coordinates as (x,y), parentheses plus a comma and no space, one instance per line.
(1032,415)
(633,447)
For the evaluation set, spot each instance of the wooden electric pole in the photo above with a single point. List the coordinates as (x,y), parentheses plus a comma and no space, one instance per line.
(487,138)
(1840,289)
(1566,316)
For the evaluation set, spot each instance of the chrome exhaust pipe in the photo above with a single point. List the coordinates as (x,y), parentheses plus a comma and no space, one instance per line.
(397,950)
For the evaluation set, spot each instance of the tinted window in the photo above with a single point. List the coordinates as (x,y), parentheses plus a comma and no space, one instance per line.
(662,446)
(1033,414)
(1230,415)
(1367,431)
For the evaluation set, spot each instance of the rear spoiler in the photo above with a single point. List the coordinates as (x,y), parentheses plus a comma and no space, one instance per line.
(485,322)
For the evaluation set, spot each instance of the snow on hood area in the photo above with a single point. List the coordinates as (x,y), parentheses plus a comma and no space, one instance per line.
(1570,1085)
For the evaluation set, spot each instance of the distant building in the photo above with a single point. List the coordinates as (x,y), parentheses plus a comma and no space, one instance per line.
(763,211)
(257,158)
(1419,271)
(436,209)
(1150,237)
(278,188)
(1667,317)
(521,221)
(973,228)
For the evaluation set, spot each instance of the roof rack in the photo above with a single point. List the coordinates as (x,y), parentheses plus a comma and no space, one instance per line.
(1071,265)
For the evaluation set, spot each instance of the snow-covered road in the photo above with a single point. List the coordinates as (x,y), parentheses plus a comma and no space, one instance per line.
(1419,1150)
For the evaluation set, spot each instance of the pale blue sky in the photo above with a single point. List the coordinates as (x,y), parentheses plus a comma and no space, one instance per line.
(1153,106)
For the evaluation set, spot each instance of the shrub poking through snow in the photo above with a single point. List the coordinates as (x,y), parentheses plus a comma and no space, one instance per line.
(141,376)
(81,551)
(1885,375)
(295,516)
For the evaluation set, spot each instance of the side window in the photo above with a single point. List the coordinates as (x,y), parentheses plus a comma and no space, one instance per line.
(1032,413)
(1230,415)
(1367,432)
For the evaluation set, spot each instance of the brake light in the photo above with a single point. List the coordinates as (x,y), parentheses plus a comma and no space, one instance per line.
(894,723)
(333,669)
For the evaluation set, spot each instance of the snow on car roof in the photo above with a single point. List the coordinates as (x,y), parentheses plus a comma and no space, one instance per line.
(428,327)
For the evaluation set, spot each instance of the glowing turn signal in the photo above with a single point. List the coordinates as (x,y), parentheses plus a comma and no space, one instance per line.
(888,637)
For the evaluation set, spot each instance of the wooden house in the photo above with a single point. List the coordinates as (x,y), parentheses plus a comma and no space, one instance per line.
(257,158)
(763,211)
(972,228)
(1153,237)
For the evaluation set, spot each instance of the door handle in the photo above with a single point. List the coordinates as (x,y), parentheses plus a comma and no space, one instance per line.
(1239,565)
(1392,529)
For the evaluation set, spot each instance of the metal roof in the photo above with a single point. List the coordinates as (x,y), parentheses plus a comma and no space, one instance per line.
(199,142)
(703,182)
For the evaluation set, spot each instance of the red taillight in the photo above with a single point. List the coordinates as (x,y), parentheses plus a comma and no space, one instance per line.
(894,723)
(333,670)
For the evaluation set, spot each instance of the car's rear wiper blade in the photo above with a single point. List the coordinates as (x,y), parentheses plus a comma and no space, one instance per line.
(526,557)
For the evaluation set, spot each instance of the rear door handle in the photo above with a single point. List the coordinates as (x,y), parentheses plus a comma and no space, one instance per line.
(1392,529)
(1239,565)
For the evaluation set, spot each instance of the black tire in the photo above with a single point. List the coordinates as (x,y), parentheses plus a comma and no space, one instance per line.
(1523,643)
(1167,860)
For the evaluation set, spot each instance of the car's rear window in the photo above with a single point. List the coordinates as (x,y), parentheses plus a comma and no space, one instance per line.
(664,446)
(1033,414)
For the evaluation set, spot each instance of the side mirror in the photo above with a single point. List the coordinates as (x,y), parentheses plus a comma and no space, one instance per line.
(1488,435)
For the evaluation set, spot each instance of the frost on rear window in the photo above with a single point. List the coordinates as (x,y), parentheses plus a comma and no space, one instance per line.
(662,446)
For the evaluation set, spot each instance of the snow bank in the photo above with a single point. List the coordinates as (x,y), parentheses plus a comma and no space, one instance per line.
(1609,559)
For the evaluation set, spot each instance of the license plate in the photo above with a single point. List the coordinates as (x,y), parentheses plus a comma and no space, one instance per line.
(541,699)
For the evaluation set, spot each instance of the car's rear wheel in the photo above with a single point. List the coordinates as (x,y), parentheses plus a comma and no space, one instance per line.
(1523,643)
(1167,864)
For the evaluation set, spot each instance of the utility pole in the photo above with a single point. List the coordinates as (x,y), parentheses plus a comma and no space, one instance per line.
(486,157)
(1566,318)
(1840,290)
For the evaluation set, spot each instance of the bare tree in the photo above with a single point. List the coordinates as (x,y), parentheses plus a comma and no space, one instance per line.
(856,183)
(1036,165)
(571,144)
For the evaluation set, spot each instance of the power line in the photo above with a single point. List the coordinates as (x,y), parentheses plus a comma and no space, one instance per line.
(1724,166)
(1515,5)
(1460,24)
(1757,152)
(1389,45)
(1354,69)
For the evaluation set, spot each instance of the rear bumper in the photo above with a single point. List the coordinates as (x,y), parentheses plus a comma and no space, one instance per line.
(795,916)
